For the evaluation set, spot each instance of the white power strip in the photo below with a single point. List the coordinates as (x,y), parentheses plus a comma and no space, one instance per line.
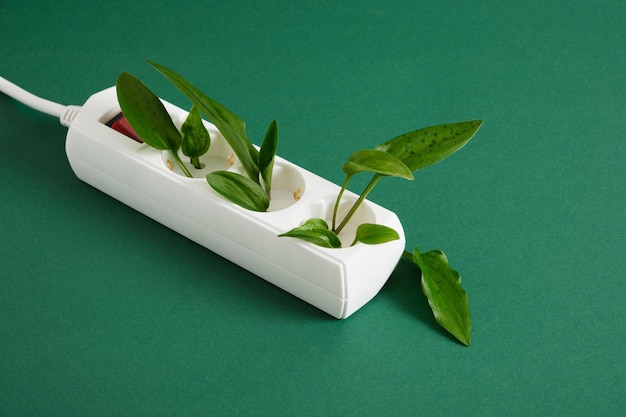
(337,281)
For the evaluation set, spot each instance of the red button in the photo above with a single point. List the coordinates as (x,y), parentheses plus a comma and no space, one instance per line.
(120,124)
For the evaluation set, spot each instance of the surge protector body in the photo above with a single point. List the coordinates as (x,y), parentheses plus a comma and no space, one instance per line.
(337,281)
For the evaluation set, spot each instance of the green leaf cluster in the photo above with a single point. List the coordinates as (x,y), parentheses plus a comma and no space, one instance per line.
(151,121)
(231,126)
(253,192)
(148,116)
(401,157)
(398,157)
(316,231)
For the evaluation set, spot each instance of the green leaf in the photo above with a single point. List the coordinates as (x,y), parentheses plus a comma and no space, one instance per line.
(146,114)
(239,190)
(424,147)
(232,127)
(315,231)
(376,161)
(373,234)
(314,223)
(267,154)
(446,297)
(196,139)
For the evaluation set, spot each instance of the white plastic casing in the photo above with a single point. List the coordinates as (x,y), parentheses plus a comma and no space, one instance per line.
(337,281)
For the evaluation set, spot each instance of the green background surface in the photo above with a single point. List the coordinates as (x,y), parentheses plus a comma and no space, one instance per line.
(104,312)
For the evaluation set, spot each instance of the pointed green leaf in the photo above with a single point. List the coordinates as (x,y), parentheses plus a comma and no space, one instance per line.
(146,114)
(430,145)
(196,139)
(267,154)
(314,223)
(373,234)
(446,297)
(315,231)
(239,190)
(231,126)
(376,161)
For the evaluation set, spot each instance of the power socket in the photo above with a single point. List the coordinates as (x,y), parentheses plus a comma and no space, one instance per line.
(337,281)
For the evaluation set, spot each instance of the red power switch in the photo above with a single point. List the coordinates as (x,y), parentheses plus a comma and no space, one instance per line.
(120,124)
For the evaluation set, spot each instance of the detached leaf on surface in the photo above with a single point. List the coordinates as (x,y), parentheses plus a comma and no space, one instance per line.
(374,234)
(315,231)
(448,300)
(196,139)
(239,190)
(424,147)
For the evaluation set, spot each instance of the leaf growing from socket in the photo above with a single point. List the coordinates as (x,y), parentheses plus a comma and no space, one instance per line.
(267,154)
(315,231)
(398,157)
(447,299)
(416,150)
(374,234)
(148,117)
(378,162)
(232,127)
(239,190)
(424,147)
(196,139)
(369,160)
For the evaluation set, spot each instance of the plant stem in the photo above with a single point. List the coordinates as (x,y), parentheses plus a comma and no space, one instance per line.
(343,188)
(407,255)
(195,161)
(181,164)
(358,202)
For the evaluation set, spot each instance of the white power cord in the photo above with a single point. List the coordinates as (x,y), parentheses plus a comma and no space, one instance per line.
(66,114)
